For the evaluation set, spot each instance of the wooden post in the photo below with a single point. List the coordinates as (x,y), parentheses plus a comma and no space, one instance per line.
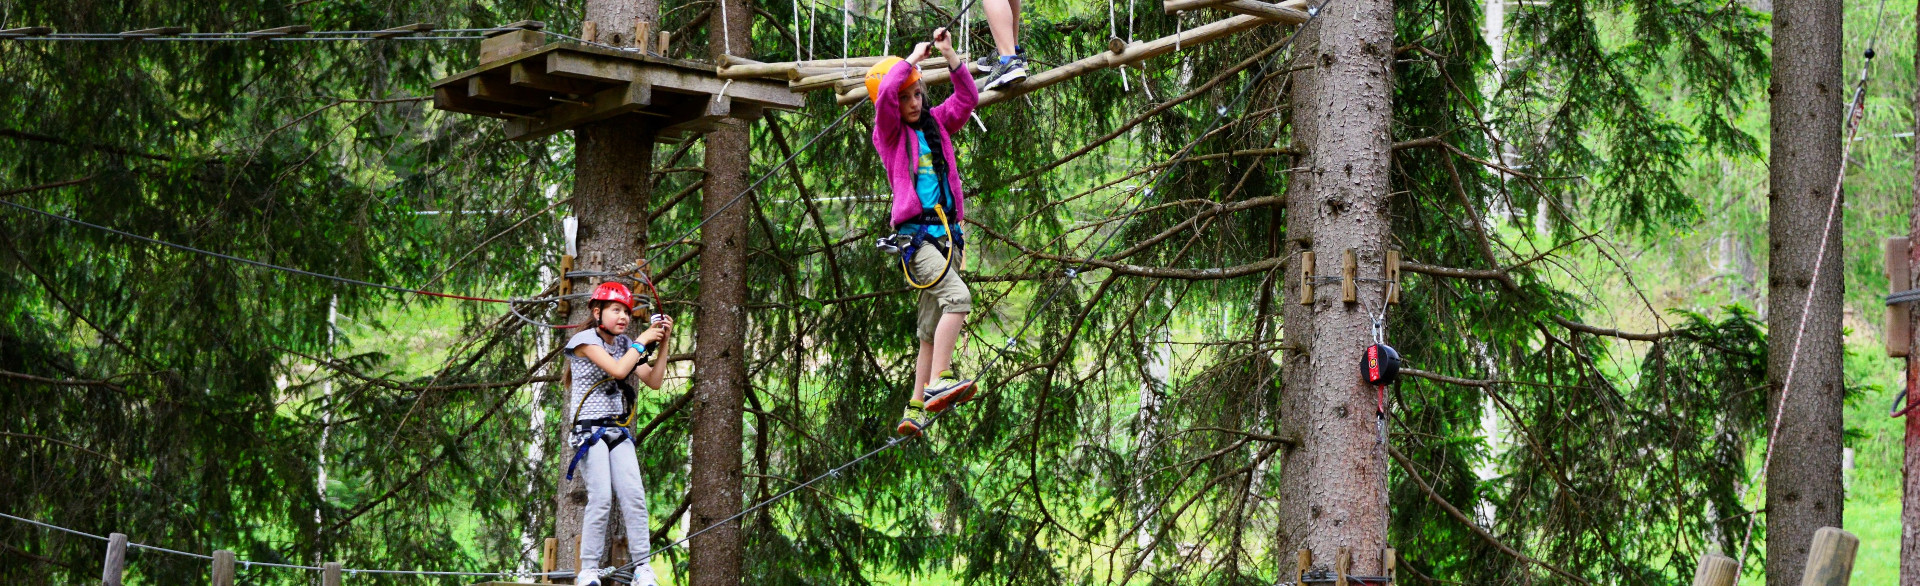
(116,566)
(590,31)
(330,574)
(1349,272)
(549,558)
(666,40)
(1393,283)
(642,31)
(1830,560)
(222,568)
(1716,570)
(1303,562)
(1306,283)
(566,284)
(1389,559)
(1342,563)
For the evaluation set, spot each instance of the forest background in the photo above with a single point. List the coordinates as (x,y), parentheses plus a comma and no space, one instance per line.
(197,404)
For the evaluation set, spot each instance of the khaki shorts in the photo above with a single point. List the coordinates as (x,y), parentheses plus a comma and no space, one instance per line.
(949,296)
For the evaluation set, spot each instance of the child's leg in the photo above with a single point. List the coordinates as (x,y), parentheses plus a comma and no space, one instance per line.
(1003,17)
(922,370)
(593,521)
(632,492)
(945,337)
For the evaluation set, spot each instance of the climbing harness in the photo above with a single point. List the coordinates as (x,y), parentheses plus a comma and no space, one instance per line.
(906,246)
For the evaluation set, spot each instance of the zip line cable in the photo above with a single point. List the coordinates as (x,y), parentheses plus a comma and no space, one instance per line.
(1856,112)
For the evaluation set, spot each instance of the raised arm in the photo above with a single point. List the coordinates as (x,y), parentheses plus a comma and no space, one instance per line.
(952,113)
(887,126)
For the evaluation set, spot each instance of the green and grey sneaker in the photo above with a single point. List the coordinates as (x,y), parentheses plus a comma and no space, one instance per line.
(914,420)
(946,390)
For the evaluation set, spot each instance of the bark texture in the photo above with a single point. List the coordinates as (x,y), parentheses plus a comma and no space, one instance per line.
(612,187)
(1803,486)
(1910,505)
(720,385)
(1336,480)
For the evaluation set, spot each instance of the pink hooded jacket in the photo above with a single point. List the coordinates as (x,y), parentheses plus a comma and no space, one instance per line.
(900,152)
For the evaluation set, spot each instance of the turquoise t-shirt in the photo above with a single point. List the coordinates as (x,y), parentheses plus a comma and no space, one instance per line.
(927,184)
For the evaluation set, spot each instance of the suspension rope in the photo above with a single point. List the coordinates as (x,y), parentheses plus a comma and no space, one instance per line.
(250,564)
(1856,111)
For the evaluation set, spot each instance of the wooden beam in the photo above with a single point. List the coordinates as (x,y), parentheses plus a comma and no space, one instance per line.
(330,574)
(1173,6)
(589,68)
(501,46)
(279,31)
(26,31)
(1306,279)
(605,104)
(1716,570)
(222,572)
(526,25)
(452,99)
(494,89)
(679,80)
(1829,560)
(113,571)
(533,76)
(1274,12)
(859,90)
(148,33)
(401,31)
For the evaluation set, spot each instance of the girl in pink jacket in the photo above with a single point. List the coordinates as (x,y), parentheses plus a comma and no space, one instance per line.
(916,147)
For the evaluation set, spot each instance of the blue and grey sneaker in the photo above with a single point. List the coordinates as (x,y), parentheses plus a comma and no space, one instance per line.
(1006,70)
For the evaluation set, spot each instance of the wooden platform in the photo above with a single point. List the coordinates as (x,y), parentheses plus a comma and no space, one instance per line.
(544,89)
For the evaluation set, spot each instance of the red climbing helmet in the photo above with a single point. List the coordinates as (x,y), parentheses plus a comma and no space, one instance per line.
(615,292)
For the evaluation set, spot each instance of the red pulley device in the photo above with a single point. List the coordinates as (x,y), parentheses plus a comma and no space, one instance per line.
(1380,365)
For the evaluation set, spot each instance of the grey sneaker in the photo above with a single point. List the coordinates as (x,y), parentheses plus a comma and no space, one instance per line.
(1005,72)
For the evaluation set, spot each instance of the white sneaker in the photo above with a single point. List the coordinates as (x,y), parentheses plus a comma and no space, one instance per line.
(643,576)
(587,577)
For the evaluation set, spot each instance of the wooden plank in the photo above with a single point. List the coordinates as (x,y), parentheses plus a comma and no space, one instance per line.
(605,104)
(549,550)
(1306,278)
(1829,561)
(1899,328)
(494,89)
(451,100)
(1349,273)
(1389,563)
(1302,562)
(1393,279)
(530,25)
(1716,570)
(401,31)
(767,93)
(819,82)
(222,568)
(533,76)
(498,47)
(700,118)
(666,42)
(26,31)
(642,31)
(113,571)
(148,33)
(330,574)
(587,67)
(279,31)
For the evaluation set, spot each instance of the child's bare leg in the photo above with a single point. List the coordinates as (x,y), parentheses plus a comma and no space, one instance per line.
(945,336)
(1003,17)
(923,368)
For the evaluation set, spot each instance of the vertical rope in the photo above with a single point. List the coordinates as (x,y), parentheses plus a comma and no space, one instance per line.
(886,46)
(796,26)
(726,36)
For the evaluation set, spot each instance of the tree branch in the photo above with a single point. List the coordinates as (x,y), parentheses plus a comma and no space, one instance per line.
(1462,518)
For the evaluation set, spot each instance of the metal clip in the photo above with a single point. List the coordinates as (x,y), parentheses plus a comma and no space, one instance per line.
(1379,331)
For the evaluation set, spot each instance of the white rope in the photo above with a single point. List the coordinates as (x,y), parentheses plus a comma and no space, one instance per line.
(796,26)
(726,35)
(250,564)
(886,45)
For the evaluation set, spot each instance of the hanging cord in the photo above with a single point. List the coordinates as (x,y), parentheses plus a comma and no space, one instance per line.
(1856,111)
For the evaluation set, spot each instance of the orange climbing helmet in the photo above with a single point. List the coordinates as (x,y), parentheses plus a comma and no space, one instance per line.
(615,292)
(879,70)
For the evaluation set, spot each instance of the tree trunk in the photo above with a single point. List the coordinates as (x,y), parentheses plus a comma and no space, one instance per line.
(1803,480)
(1910,507)
(720,383)
(1336,480)
(613,161)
